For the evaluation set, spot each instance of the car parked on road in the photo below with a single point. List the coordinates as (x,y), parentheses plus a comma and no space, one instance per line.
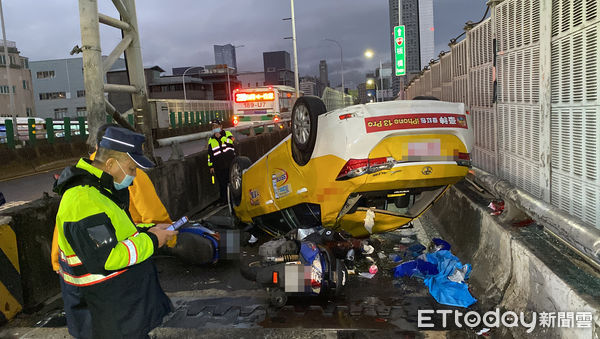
(364,169)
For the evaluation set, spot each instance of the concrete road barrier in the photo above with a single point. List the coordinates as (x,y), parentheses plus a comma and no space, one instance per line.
(11,294)
(517,269)
(33,226)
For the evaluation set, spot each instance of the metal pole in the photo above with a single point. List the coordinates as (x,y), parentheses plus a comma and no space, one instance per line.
(296,80)
(342,66)
(228,86)
(137,78)
(183,83)
(582,237)
(545,156)
(380,80)
(92,67)
(6,64)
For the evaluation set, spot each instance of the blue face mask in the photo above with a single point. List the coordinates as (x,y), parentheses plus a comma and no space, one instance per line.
(216,130)
(126,182)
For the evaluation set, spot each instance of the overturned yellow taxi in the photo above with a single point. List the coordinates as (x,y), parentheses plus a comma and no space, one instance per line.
(363,169)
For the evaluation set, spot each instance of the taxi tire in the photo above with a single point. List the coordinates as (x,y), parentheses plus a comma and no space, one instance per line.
(302,152)
(242,163)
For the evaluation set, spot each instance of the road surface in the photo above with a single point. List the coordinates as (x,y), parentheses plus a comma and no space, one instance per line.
(215,301)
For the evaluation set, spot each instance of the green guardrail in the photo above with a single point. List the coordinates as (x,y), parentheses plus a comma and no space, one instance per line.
(67,128)
(172,119)
(10,133)
(82,128)
(50,130)
(31,130)
(179,119)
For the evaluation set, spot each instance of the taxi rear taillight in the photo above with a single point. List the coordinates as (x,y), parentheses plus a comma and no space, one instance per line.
(462,159)
(357,167)
(236,120)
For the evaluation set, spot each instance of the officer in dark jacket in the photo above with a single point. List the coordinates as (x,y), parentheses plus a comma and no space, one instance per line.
(100,249)
(220,156)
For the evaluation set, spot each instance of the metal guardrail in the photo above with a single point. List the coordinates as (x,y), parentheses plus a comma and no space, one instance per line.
(576,234)
(251,128)
(32,129)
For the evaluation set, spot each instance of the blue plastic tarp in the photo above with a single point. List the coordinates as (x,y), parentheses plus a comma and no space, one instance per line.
(435,271)
(443,290)
(415,268)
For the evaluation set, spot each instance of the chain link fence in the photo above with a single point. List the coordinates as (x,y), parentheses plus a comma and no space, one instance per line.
(529,76)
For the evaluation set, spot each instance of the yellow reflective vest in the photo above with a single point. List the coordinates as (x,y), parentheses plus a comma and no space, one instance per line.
(89,198)
(145,207)
(221,151)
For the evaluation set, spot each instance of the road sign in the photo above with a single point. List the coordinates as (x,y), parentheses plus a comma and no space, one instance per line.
(399,46)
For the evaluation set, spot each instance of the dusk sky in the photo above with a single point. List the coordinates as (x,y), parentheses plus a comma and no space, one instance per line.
(183,32)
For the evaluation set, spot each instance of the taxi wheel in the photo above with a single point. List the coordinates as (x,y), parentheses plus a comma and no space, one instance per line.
(304,127)
(238,165)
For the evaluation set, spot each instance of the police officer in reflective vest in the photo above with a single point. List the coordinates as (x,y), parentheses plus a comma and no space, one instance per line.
(220,156)
(100,249)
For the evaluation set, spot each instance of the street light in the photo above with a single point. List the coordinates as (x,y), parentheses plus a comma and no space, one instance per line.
(183,82)
(228,84)
(342,67)
(370,82)
(370,54)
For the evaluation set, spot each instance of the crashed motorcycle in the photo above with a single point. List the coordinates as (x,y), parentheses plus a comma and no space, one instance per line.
(302,265)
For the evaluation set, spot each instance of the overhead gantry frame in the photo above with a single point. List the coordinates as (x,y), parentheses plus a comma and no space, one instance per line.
(95,69)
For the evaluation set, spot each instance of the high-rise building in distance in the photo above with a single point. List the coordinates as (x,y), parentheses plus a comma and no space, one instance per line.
(323,77)
(417,18)
(323,73)
(278,68)
(225,55)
